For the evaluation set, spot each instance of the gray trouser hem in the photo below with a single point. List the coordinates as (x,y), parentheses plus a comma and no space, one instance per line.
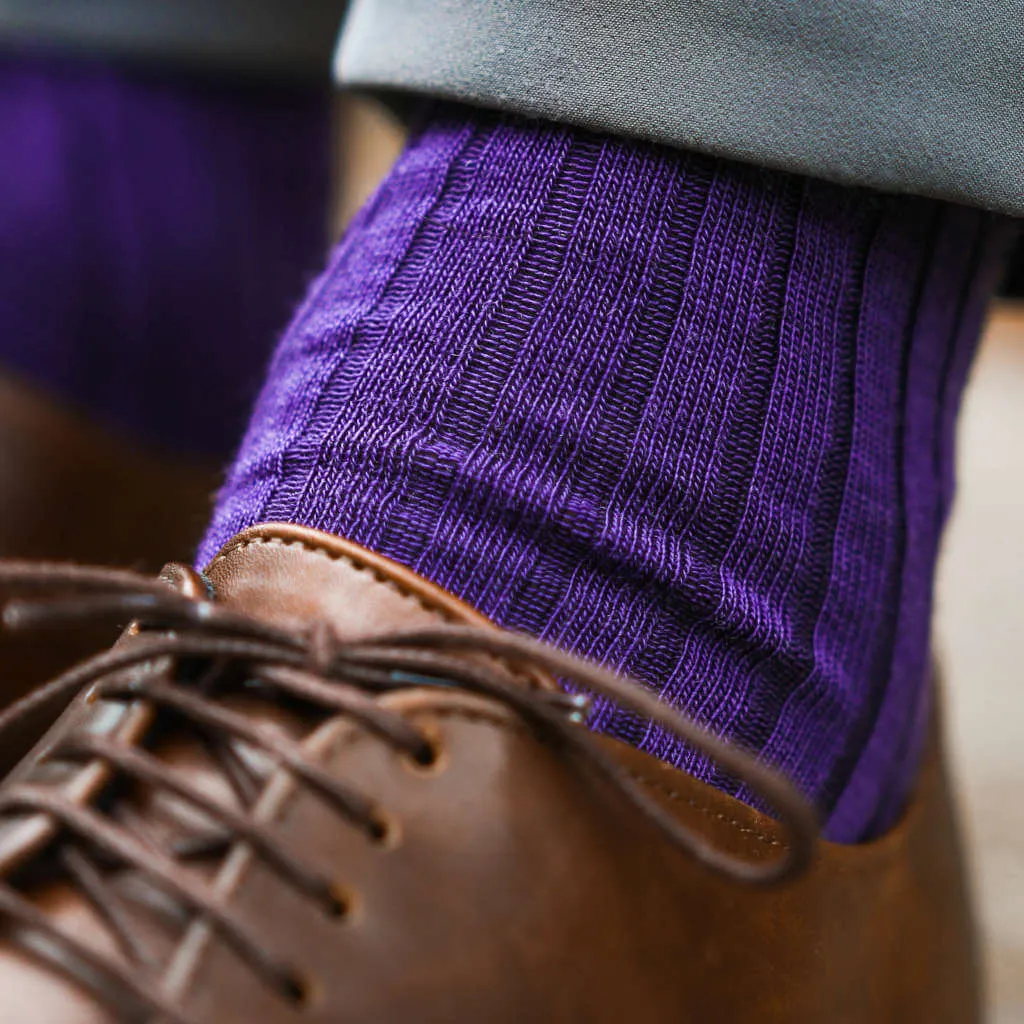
(916,96)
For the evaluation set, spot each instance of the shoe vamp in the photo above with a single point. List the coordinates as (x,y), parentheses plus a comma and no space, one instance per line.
(517,885)
(159,820)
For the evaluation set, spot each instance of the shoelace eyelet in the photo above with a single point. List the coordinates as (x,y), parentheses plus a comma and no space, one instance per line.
(341,903)
(384,831)
(430,759)
(299,989)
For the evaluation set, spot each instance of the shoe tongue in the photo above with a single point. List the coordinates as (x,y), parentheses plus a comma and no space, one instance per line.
(292,576)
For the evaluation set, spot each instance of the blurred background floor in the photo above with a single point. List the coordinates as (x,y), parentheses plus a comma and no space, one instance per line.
(980,624)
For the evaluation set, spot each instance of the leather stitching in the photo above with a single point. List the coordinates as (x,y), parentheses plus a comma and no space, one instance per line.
(675,795)
(385,581)
(395,586)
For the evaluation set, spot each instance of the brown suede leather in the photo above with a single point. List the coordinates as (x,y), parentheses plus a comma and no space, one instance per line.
(72,491)
(518,887)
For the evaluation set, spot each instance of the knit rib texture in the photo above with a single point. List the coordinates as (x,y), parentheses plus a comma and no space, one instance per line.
(688,417)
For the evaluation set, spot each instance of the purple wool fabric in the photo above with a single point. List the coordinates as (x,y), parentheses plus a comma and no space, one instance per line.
(155,233)
(691,418)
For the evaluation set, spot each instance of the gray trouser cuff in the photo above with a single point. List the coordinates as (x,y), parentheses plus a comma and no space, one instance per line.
(919,96)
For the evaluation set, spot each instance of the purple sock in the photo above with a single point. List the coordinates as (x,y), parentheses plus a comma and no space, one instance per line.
(155,233)
(689,417)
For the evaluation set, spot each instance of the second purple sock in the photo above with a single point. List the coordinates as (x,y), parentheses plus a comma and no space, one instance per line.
(691,418)
(155,231)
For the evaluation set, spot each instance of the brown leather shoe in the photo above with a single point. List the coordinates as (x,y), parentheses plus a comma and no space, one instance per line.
(312,786)
(70,490)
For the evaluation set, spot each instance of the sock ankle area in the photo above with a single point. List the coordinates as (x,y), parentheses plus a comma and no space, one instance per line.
(691,418)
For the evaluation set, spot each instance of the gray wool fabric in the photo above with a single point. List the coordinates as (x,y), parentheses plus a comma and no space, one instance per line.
(918,96)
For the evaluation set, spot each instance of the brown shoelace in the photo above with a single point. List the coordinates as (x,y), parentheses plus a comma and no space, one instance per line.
(184,648)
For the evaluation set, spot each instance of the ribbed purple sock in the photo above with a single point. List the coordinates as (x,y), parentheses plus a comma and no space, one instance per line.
(155,232)
(689,417)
